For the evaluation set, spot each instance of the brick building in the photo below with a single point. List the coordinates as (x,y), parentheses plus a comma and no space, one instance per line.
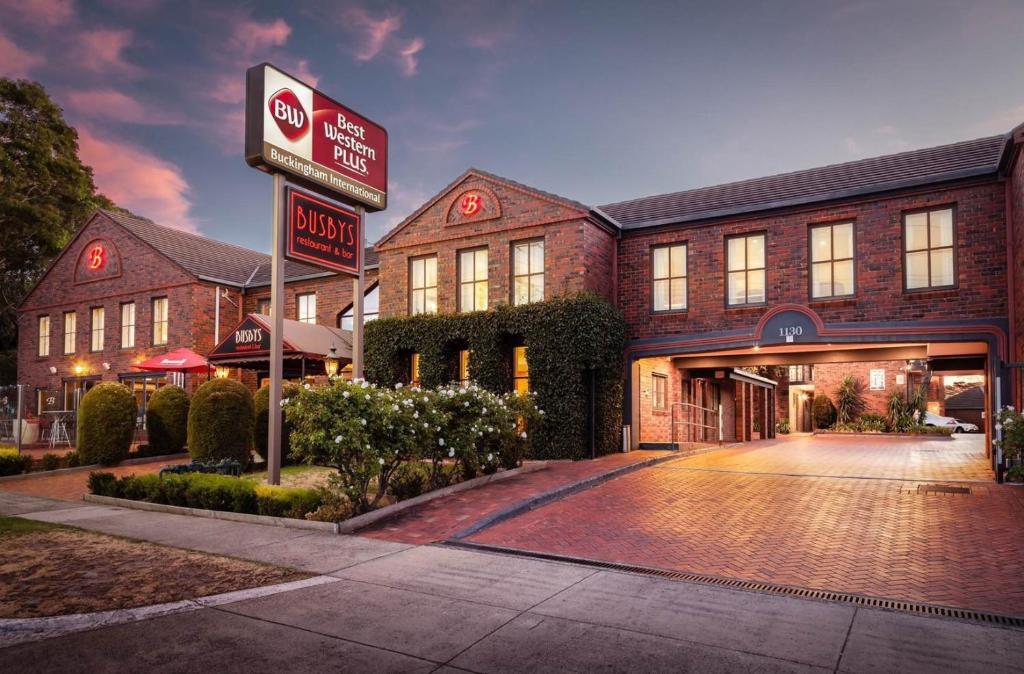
(877,264)
(125,289)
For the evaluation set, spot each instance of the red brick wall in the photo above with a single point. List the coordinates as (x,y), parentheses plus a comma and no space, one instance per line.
(333,295)
(656,425)
(828,376)
(1015,186)
(577,254)
(981,239)
(145,275)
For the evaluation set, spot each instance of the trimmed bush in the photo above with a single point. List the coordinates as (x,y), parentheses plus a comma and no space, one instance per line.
(73,459)
(14,464)
(209,492)
(167,420)
(410,480)
(106,423)
(220,422)
(50,461)
(823,411)
(567,339)
(261,403)
(285,501)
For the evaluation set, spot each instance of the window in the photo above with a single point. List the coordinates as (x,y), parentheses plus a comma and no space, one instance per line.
(159,321)
(528,272)
(96,316)
(659,391)
(70,332)
(464,368)
(44,336)
(520,370)
(832,260)
(371,309)
(928,242)
(128,325)
(263,306)
(414,369)
(668,274)
(306,307)
(473,280)
(746,280)
(423,285)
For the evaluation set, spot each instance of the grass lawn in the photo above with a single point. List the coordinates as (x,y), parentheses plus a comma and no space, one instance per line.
(49,569)
(296,476)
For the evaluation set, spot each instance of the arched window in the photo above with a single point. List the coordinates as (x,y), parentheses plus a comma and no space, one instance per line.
(371,308)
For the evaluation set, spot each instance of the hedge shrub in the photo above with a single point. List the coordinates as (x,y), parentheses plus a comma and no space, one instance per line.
(410,480)
(14,464)
(261,403)
(823,411)
(565,338)
(220,422)
(209,492)
(106,423)
(167,420)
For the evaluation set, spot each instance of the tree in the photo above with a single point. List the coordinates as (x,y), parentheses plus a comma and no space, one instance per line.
(46,193)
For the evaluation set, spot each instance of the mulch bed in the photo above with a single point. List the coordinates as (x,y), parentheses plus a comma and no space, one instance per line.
(48,570)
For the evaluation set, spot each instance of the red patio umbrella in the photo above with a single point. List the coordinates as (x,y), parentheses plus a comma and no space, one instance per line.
(179,360)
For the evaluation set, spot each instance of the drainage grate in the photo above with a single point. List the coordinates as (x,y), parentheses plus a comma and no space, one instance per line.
(772,588)
(941,489)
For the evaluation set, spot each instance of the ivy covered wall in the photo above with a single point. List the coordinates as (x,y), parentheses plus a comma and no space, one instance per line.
(568,341)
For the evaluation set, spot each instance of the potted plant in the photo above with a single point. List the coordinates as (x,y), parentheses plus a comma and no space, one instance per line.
(1011,423)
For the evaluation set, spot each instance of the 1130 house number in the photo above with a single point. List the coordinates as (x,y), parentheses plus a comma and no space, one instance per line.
(791,332)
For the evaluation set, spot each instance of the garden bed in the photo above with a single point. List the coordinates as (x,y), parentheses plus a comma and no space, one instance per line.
(48,570)
(882,434)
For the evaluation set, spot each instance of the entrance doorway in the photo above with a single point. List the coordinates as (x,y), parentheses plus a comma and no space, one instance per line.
(143,386)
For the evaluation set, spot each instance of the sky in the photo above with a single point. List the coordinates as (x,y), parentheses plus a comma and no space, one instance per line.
(596,100)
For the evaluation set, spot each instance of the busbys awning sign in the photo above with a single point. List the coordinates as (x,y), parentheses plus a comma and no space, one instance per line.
(294,128)
(321,233)
(294,131)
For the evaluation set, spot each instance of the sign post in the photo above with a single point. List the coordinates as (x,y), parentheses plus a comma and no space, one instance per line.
(293,129)
(276,335)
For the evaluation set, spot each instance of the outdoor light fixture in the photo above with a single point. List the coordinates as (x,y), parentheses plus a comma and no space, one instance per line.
(106,366)
(757,347)
(331,362)
(53,370)
(79,369)
(221,372)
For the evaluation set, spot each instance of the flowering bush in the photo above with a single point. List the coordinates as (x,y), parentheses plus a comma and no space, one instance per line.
(366,432)
(1011,422)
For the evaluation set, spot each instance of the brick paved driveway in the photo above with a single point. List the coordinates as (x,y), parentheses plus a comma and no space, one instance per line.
(766,513)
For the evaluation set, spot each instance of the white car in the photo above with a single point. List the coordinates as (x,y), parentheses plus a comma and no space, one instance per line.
(956,425)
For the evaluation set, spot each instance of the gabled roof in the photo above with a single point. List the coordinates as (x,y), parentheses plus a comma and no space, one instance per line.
(865,176)
(969,399)
(217,261)
(478,173)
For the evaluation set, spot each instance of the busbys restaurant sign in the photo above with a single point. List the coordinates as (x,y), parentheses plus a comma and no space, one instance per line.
(250,337)
(294,128)
(321,233)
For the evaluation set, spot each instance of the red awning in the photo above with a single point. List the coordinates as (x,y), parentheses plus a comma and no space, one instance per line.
(179,360)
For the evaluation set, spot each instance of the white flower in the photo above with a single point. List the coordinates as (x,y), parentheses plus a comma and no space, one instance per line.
(540,412)
(440,442)
(394,408)
(483,411)
(363,383)
(367,398)
(415,415)
(398,386)
(337,439)
(490,457)
(380,460)
(426,425)
(480,433)
(465,404)
(523,435)
(307,387)
(451,452)
(284,402)
(490,429)
(362,421)
(345,394)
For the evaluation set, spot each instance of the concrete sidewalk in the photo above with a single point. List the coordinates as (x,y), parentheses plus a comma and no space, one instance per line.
(406,608)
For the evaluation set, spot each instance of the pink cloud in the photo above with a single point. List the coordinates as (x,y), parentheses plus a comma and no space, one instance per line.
(101,51)
(251,36)
(407,56)
(138,180)
(15,61)
(373,34)
(40,13)
(114,106)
